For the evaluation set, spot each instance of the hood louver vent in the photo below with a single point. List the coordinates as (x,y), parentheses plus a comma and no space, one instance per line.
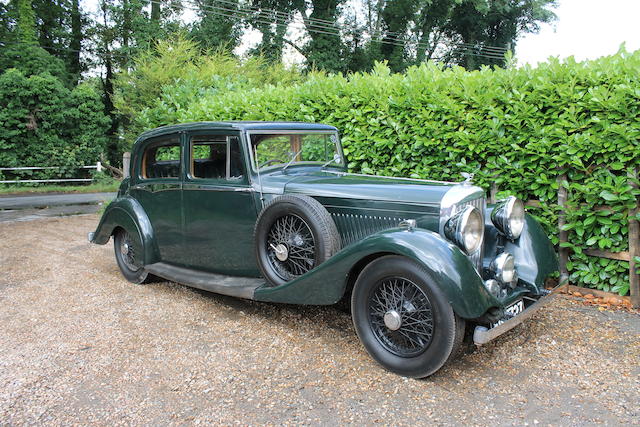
(356,227)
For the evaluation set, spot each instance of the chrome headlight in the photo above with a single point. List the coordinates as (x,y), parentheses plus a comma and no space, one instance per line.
(503,268)
(508,217)
(466,229)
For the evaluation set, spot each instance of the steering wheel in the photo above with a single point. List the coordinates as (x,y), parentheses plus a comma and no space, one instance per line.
(270,161)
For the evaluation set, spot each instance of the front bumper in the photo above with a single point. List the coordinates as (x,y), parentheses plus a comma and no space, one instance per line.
(483,335)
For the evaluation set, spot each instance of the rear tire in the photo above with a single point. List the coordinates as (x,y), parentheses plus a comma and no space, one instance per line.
(403,319)
(128,258)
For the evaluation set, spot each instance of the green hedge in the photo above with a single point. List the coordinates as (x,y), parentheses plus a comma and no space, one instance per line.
(517,127)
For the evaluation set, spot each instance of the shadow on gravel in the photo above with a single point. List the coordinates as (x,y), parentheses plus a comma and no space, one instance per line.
(327,321)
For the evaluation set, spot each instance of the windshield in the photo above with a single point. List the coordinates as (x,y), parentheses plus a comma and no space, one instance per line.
(289,149)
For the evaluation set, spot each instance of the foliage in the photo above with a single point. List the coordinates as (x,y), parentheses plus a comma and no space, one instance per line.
(26,22)
(175,74)
(34,125)
(32,60)
(213,30)
(519,128)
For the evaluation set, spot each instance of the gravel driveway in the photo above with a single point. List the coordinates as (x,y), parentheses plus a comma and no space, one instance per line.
(81,345)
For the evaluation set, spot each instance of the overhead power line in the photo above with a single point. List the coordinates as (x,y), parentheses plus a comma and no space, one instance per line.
(312,26)
(334,30)
(288,17)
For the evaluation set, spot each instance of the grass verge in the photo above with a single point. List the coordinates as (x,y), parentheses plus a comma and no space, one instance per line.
(15,190)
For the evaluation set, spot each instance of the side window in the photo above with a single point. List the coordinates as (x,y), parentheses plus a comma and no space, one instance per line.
(216,157)
(161,159)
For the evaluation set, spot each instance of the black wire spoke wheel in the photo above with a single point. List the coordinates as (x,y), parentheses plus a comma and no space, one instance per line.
(294,234)
(130,256)
(127,251)
(401,316)
(291,247)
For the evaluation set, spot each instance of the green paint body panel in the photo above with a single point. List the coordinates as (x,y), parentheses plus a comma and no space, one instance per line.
(218,229)
(447,266)
(207,225)
(127,213)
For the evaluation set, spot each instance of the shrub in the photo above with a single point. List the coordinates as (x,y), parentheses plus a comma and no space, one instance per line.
(45,124)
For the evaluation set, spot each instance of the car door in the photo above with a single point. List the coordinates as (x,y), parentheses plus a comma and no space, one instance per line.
(218,205)
(158,189)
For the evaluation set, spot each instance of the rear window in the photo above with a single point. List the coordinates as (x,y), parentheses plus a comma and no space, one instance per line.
(161,159)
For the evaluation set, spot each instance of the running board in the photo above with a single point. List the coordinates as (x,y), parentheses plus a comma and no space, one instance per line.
(242,287)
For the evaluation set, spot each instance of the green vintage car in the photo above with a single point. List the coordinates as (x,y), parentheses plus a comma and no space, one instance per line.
(268,212)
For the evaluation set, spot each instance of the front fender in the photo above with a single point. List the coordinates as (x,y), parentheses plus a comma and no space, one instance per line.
(534,254)
(445,264)
(127,213)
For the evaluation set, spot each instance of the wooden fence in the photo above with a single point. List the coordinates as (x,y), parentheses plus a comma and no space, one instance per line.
(563,237)
(98,167)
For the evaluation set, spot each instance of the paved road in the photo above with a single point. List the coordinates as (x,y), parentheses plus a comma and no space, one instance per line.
(47,200)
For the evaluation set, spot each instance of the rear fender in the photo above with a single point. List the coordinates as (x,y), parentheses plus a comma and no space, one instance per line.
(127,213)
(444,263)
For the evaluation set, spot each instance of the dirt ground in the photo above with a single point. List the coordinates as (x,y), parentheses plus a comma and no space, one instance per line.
(81,345)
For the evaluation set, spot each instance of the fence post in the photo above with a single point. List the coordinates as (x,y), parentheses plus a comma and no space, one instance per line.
(493,190)
(493,193)
(98,166)
(126,164)
(563,236)
(634,248)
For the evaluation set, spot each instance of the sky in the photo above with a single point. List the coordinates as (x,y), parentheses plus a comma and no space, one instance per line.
(585,29)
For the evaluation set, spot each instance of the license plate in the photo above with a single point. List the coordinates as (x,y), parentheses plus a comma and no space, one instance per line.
(512,311)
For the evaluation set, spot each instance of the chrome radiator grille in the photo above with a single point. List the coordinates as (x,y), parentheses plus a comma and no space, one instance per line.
(480,204)
(356,227)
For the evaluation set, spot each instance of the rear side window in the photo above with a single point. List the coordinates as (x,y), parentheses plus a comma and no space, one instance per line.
(161,159)
(216,157)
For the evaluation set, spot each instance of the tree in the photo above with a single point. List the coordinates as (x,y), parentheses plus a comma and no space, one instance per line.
(271,18)
(214,30)
(496,23)
(470,33)
(32,60)
(126,29)
(397,16)
(325,50)
(35,118)
(26,23)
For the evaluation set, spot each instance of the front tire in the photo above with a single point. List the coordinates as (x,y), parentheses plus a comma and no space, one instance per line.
(403,319)
(129,258)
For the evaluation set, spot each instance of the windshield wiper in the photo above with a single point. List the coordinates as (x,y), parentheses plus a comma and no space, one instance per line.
(291,161)
(336,159)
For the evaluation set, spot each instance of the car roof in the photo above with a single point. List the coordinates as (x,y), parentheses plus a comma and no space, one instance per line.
(235,125)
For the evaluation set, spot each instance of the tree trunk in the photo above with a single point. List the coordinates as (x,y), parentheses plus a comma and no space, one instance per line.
(76,41)
(112,146)
(155,12)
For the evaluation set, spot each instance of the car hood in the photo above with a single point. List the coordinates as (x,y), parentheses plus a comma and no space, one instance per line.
(370,188)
